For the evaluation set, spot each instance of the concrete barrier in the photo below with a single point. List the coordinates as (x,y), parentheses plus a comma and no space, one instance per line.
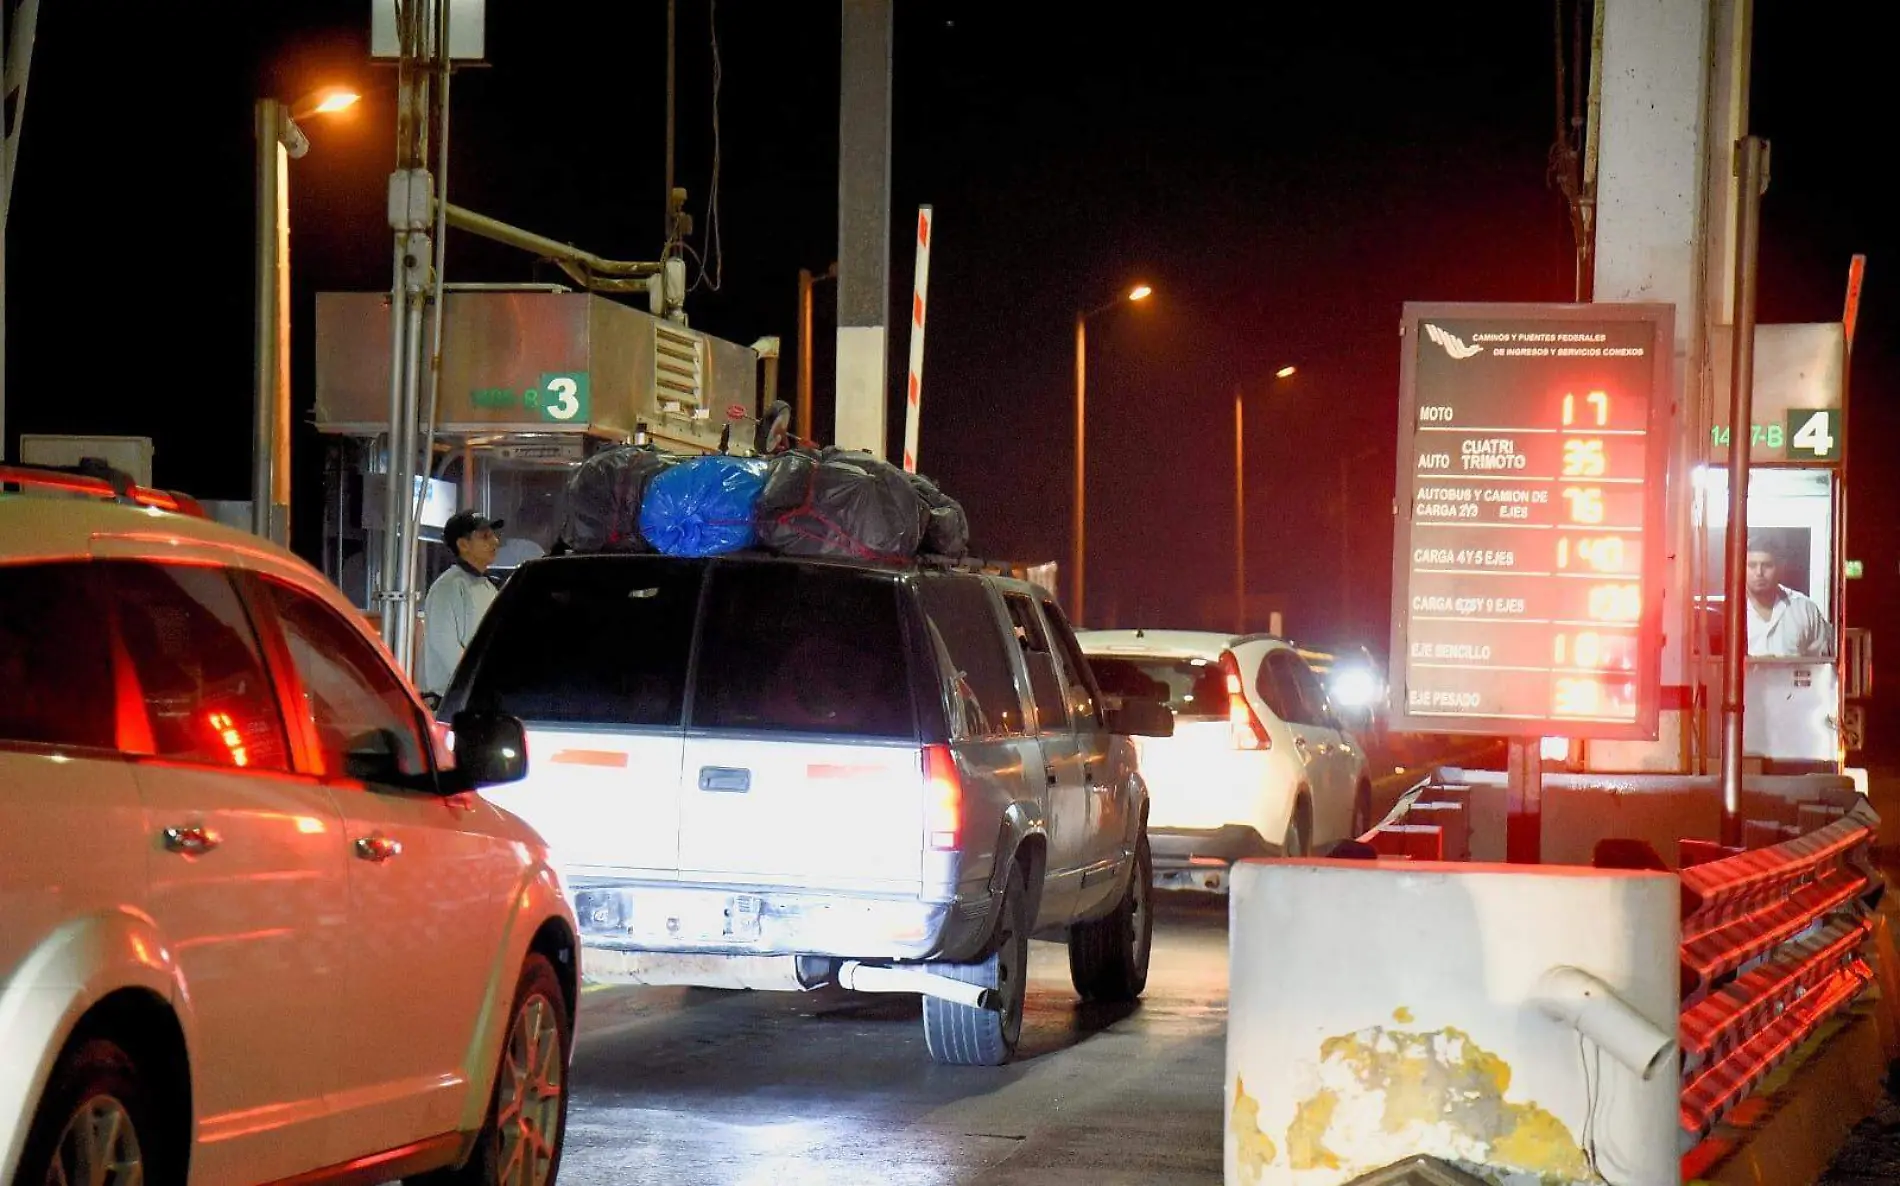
(1380,1011)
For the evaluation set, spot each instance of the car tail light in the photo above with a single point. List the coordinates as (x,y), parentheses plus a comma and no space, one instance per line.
(1244,724)
(943,802)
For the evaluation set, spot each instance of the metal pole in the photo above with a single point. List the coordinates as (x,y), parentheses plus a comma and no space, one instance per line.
(16,66)
(1079,509)
(392,462)
(410,221)
(666,202)
(426,459)
(1345,552)
(1751,163)
(1240,517)
(1524,802)
(802,426)
(270,117)
(1850,316)
(6,191)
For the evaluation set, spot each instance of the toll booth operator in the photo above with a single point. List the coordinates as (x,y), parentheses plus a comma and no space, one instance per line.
(1782,622)
(458,599)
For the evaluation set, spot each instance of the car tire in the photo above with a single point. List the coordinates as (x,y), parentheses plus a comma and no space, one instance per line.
(96,1104)
(1298,841)
(520,1143)
(1108,958)
(964,1035)
(1361,811)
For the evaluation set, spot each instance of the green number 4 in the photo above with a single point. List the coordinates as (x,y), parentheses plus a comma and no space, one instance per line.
(1815,432)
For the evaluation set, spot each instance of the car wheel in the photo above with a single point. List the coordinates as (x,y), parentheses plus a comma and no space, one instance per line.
(520,1145)
(1299,831)
(1108,958)
(966,1036)
(95,1124)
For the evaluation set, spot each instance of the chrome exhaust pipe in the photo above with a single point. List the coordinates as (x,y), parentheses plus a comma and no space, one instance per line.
(860,977)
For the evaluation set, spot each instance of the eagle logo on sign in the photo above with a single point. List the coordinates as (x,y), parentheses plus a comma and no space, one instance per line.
(1451,342)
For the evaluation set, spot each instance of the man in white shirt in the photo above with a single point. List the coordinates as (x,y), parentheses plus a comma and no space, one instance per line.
(458,598)
(1781,622)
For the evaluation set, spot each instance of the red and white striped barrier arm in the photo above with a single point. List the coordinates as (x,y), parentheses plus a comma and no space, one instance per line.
(914,384)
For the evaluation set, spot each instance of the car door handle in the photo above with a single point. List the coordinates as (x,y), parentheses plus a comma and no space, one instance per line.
(725,778)
(1050,773)
(193,841)
(378,848)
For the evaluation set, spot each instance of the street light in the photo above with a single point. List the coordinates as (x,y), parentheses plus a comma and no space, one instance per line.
(1139,292)
(278,140)
(327,101)
(1240,501)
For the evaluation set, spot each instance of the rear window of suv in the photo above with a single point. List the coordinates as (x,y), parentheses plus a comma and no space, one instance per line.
(802,648)
(607,641)
(1191,687)
(589,640)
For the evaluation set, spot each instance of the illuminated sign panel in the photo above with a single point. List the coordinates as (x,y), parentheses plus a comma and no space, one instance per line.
(1526,573)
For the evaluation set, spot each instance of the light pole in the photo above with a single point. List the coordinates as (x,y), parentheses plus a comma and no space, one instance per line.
(801,424)
(1139,292)
(278,140)
(1240,501)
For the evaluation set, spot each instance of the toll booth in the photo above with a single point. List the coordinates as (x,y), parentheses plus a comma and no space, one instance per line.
(1795,690)
(534,380)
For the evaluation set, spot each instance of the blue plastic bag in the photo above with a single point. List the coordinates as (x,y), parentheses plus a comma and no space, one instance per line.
(703,506)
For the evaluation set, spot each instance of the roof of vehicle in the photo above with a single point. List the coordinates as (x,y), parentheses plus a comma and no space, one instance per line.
(1200,644)
(1195,644)
(37,529)
(760,556)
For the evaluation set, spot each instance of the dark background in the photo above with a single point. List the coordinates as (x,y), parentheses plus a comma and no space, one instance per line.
(1285,179)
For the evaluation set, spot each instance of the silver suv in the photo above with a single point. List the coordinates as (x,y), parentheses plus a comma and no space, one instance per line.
(757,772)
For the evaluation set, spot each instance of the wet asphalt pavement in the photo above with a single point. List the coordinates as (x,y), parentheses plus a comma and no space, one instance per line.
(699,1087)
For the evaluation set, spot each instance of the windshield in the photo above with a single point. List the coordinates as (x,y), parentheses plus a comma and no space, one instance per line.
(1191,687)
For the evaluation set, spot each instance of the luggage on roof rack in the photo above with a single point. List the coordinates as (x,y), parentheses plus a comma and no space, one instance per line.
(827,502)
(703,506)
(837,502)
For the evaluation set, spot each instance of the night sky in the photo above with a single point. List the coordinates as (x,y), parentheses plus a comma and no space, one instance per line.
(1284,180)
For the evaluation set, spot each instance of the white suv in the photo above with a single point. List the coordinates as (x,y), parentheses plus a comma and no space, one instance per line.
(1259,764)
(254,925)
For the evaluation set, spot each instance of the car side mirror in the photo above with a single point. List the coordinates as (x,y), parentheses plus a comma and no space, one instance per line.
(490,748)
(1141,718)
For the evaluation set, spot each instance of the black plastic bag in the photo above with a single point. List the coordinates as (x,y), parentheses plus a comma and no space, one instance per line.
(946,527)
(604,494)
(839,503)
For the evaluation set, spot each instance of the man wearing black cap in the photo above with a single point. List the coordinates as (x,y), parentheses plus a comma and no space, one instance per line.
(458,599)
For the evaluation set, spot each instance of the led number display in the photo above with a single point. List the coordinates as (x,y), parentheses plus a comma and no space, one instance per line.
(1531,467)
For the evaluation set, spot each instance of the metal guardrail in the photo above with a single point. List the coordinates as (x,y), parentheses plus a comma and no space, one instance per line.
(1771,949)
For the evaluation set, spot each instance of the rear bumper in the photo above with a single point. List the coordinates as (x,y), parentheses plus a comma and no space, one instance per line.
(1199,858)
(719,920)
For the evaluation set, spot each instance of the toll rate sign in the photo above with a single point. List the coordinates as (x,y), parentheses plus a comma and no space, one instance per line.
(1527,567)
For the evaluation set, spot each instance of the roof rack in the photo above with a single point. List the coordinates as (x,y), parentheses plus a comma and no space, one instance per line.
(1008,568)
(99,481)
